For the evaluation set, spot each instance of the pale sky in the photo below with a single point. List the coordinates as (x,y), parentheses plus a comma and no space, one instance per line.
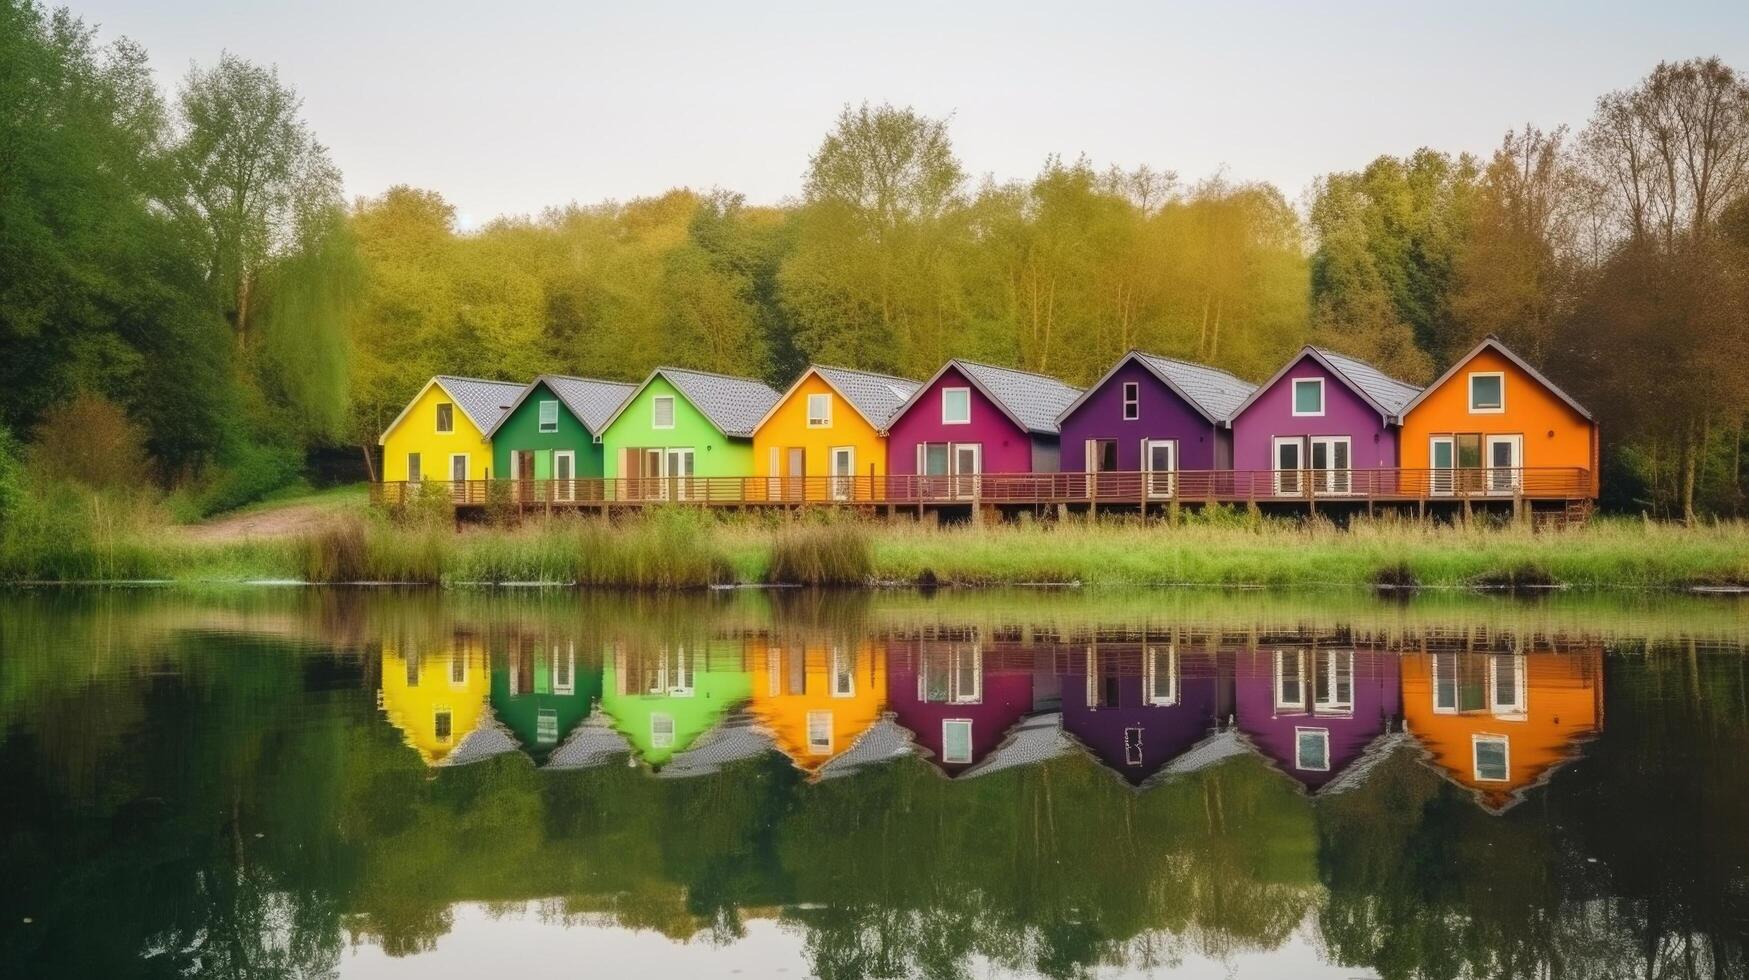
(510,106)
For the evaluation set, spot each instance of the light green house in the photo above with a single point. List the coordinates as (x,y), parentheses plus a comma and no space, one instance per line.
(681,424)
(662,699)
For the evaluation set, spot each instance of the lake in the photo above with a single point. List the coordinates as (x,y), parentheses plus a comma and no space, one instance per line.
(273,782)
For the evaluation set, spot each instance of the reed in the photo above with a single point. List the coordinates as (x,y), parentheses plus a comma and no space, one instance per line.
(836,553)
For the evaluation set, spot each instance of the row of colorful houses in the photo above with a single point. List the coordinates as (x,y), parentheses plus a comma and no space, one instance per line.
(1316,426)
(1494,723)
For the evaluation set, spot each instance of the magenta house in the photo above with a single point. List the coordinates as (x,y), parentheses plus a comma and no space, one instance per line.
(1319,417)
(1318,714)
(1137,707)
(1152,414)
(954,707)
(972,418)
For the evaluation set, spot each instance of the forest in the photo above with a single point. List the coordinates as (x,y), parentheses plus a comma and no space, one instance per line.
(184,283)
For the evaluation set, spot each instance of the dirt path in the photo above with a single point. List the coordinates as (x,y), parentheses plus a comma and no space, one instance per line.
(277,522)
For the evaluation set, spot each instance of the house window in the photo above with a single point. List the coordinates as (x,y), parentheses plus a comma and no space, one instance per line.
(956,740)
(445,417)
(819,411)
(549,416)
(546,726)
(951,676)
(661,731)
(458,668)
(1290,680)
(1161,667)
(1312,749)
(1132,401)
(1506,694)
(956,406)
(1487,393)
(819,733)
(1308,396)
(1492,757)
(843,673)
(413,474)
(1333,682)
(442,725)
(662,412)
(565,670)
(1132,746)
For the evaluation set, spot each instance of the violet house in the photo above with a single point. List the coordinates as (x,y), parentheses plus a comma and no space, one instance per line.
(955,709)
(971,419)
(1318,418)
(1316,713)
(1152,414)
(1139,707)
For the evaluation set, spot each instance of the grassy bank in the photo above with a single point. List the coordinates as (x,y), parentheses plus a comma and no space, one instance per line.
(681,548)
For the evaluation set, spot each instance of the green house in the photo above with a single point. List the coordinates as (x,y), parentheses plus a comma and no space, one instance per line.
(682,424)
(552,430)
(538,693)
(662,699)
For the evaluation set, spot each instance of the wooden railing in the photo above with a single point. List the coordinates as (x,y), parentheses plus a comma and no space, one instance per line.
(1193,486)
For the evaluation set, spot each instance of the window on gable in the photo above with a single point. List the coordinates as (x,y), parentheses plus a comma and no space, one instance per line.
(445,417)
(1308,396)
(819,411)
(662,412)
(956,406)
(1488,392)
(1312,749)
(1132,401)
(549,416)
(1492,757)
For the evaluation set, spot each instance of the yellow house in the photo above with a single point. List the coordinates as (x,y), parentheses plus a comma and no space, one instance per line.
(441,434)
(817,698)
(435,698)
(828,425)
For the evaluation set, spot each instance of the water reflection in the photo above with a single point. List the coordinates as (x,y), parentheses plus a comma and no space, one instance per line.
(276,784)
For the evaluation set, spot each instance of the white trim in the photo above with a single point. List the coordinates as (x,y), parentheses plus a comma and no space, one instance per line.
(1507,353)
(813,370)
(1151,675)
(1300,677)
(1433,685)
(546,726)
(1330,704)
(1385,414)
(954,759)
(1282,487)
(966,391)
(1442,480)
(565,487)
(1505,743)
(1470,392)
(1331,480)
(1323,735)
(819,746)
(541,416)
(1294,397)
(654,401)
(841,665)
(1132,401)
(1160,483)
(661,740)
(1494,481)
(1518,709)
(965,486)
(827,415)
(958,367)
(843,485)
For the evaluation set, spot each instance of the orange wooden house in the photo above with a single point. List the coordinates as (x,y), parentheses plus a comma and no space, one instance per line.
(1498,724)
(822,440)
(816,697)
(1493,425)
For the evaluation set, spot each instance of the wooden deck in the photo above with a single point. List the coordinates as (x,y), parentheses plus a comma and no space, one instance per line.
(1309,489)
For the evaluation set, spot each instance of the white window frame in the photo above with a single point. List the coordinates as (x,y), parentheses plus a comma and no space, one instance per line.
(824,419)
(1132,401)
(1161,483)
(661,739)
(1323,735)
(817,745)
(1497,482)
(945,392)
(1151,675)
(568,659)
(1133,758)
(947,723)
(955,657)
(1294,398)
(437,418)
(546,725)
(1329,480)
(841,676)
(565,487)
(1297,486)
(1433,677)
(965,485)
(1470,387)
(549,406)
(1518,709)
(1476,742)
(655,416)
(1302,678)
(1329,705)
(843,484)
(1442,480)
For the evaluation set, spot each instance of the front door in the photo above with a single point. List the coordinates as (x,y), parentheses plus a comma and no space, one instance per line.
(932,469)
(458,475)
(1101,458)
(1330,464)
(843,473)
(1160,460)
(564,476)
(1505,464)
(1289,458)
(1442,460)
(968,463)
(678,472)
(650,485)
(796,472)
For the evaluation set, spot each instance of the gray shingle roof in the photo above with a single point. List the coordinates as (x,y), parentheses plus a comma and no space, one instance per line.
(1035,740)
(1035,400)
(1215,391)
(484,402)
(594,743)
(592,400)
(882,742)
(734,405)
(737,738)
(1387,391)
(876,396)
(488,739)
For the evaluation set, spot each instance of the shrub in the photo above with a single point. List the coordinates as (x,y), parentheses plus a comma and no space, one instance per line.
(339,552)
(89,440)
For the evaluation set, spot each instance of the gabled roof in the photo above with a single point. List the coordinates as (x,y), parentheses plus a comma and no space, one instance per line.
(1506,352)
(884,741)
(875,397)
(734,405)
(1213,393)
(594,743)
(1031,401)
(1034,740)
(589,400)
(485,403)
(1385,394)
(734,739)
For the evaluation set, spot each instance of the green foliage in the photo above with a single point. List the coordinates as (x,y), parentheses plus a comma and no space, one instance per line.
(831,552)
(11,475)
(88,440)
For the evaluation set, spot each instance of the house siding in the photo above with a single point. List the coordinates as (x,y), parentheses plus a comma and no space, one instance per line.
(1373,442)
(1554,434)
(1006,698)
(1168,731)
(521,431)
(1006,447)
(787,428)
(1202,445)
(1376,702)
(714,454)
(416,432)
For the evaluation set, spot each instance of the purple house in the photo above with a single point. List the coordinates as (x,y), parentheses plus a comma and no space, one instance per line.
(1152,414)
(957,706)
(973,418)
(1323,413)
(1138,707)
(1316,713)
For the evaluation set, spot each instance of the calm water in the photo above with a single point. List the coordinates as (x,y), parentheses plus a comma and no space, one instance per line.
(302,783)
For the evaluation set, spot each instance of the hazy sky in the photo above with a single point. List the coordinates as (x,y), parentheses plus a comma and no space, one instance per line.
(507,106)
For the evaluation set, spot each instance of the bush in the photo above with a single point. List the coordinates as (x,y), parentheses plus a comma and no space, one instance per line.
(89,440)
(339,552)
(249,473)
(834,553)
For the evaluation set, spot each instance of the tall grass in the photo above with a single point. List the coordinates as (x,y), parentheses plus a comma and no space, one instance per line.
(822,553)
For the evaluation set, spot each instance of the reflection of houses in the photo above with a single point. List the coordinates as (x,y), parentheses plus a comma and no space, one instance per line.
(1316,711)
(1500,723)
(436,699)
(816,698)
(662,697)
(957,696)
(1138,706)
(538,692)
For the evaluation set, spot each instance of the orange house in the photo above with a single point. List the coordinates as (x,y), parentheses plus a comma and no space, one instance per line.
(1499,724)
(822,440)
(817,698)
(1492,425)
